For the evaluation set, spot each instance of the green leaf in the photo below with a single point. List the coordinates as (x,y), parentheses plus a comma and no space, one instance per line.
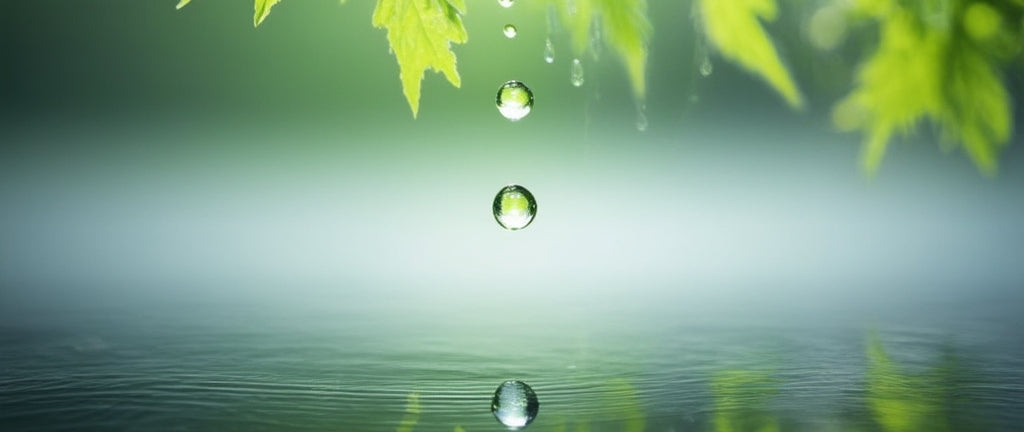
(420,33)
(262,9)
(922,71)
(733,28)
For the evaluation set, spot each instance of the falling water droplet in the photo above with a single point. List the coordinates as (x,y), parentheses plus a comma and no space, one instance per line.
(515,404)
(576,73)
(514,208)
(510,31)
(549,51)
(641,117)
(706,67)
(515,100)
(506,3)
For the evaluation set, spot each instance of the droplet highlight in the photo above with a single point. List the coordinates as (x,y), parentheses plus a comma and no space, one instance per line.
(506,3)
(549,51)
(706,67)
(576,73)
(515,404)
(641,117)
(515,100)
(514,208)
(510,31)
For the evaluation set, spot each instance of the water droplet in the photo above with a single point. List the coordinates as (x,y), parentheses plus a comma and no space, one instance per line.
(641,117)
(706,67)
(515,100)
(514,208)
(576,73)
(510,31)
(549,51)
(506,3)
(515,404)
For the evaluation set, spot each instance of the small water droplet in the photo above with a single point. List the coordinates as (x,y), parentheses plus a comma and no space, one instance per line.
(515,404)
(641,117)
(514,208)
(549,51)
(510,31)
(506,3)
(576,73)
(706,67)
(515,100)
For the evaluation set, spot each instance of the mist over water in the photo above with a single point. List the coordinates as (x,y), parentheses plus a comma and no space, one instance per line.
(178,251)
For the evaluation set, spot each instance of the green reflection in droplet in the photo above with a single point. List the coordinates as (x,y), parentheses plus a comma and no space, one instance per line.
(515,100)
(514,207)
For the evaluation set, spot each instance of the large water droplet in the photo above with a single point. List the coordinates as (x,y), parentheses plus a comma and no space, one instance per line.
(515,404)
(549,51)
(506,3)
(576,73)
(706,67)
(514,208)
(514,100)
(510,31)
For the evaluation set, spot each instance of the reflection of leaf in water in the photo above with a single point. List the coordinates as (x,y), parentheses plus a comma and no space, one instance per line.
(623,403)
(618,400)
(921,70)
(733,28)
(625,28)
(412,413)
(901,402)
(420,33)
(741,399)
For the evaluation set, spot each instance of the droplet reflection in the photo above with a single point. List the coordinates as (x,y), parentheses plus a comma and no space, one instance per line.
(510,31)
(576,73)
(515,100)
(514,207)
(549,51)
(515,404)
(706,67)
(506,3)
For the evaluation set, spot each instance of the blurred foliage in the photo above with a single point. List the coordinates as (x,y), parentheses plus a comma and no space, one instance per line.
(936,60)
(732,26)
(622,24)
(741,401)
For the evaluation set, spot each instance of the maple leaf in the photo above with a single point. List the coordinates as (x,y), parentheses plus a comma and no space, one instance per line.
(420,33)
(733,28)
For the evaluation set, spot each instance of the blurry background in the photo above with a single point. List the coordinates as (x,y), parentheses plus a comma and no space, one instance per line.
(179,188)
